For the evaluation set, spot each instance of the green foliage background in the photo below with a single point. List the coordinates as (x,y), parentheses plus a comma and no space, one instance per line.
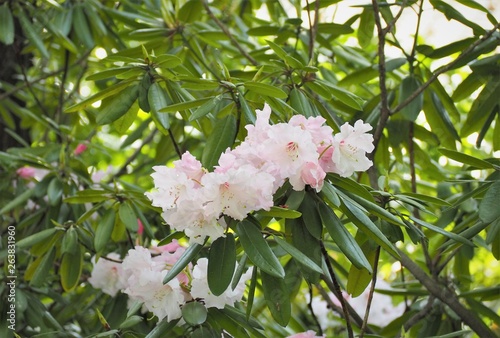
(141,82)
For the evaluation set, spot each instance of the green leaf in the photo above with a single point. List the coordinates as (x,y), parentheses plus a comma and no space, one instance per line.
(144,91)
(162,329)
(220,139)
(278,212)
(119,105)
(311,217)
(69,242)
(263,31)
(71,269)
(54,191)
(81,27)
(191,11)
(6,25)
(481,107)
(343,238)
(194,313)
(221,264)
(88,196)
(131,321)
(104,229)
(32,34)
(111,90)
(298,255)
(38,237)
(450,235)
(408,86)
(128,216)
(265,89)
(158,99)
(173,108)
(42,270)
(358,279)
(489,209)
(280,52)
(277,298)
(366,27)
(466,159)
(468,86)
(299,102)
(346,97)
(17,201)
(206,108)
(258,250)
(365,224)
(186,258)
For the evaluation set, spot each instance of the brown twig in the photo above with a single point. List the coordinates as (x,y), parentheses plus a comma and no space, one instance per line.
(370,295)
(229,35)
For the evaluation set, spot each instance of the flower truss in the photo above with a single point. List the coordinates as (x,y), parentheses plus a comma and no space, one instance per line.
(141,275)
(301,152)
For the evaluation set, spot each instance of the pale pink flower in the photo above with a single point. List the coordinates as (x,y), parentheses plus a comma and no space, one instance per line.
(321,134)
(350,148)
(80,148)
(313,175)
(238,191)
(31,172)
(200,288)
(307,334)
(107,275)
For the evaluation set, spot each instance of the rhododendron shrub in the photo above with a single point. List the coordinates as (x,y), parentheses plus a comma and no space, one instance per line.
(251,169)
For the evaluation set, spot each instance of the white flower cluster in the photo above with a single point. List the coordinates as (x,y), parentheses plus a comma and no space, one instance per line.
(301,151)
(141,274)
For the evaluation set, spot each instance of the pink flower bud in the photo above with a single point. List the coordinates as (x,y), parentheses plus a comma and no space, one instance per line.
(140,228)
(80,149)
(26,172)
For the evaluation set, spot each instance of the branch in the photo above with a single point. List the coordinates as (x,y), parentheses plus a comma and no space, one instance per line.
(229,35)
(370,295)
(444,69)
(447,297)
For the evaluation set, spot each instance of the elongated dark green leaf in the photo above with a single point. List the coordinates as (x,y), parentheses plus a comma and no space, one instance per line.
(258,250)
(17,201)
(183,261)
(185,105)
(206,108)
(311,216)
(104,229)
(279,212)
(102,94)
(408,86)
(143,92)
(71,269)
(42,270)
(81,27)
(158,99)
(245,108)
(221,263)
(88,196)
(128,216)
(265,89)
(6,25)
(119,105)
(277,298)
(443,232)
(358,279)
(191,11)
(299,102)
(466,159)
(489,209)
(54,191)
(32,34)
(280,52)
(375,209)
(298,255)
(330,193)
(162,329)
(481,107)
(366,27)
(365,224)
(70,241)
(222,137)
(468,86)
(263,31)
(344,240)
(38,237)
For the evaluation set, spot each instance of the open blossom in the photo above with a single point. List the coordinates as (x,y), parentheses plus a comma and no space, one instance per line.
(350,148)
(200,288)
(107,275)
(144,282)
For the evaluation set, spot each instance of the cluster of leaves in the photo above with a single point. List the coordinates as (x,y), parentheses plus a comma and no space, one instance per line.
(139,83)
